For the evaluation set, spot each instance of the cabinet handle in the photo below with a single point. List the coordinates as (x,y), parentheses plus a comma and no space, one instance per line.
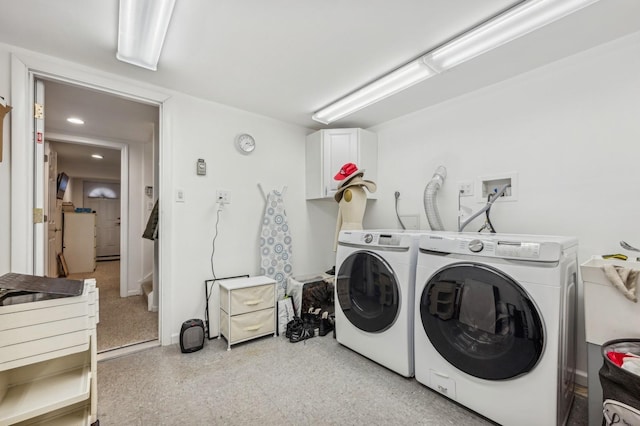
(253,327)
(252,302)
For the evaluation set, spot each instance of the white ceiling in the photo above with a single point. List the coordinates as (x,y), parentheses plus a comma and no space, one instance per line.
(288,58)
(76,161)
(107,118)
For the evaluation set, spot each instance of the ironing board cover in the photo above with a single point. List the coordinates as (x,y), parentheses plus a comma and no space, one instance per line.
(275,243)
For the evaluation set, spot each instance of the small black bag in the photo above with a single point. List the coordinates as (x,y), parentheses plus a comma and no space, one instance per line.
(620,385)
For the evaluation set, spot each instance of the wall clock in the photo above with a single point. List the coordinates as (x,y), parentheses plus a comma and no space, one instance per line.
(246,143)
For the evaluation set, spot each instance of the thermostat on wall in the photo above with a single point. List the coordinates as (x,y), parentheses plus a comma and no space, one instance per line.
(201,167)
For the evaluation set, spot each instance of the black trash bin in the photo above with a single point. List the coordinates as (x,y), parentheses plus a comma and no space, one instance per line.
(620,388)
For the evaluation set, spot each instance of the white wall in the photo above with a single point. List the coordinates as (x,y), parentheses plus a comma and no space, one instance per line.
(207,130)
(74,192)
(88,170)
(146,208)
(137,205)
(571,130)
(5,169)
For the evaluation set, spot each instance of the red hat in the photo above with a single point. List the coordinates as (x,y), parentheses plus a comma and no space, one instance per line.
(347,171)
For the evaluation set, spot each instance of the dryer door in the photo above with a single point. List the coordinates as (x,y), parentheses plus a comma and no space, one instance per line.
(367,291)
(482,321)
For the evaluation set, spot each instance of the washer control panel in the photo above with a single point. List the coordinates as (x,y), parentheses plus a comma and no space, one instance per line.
(488,245)
(476,246)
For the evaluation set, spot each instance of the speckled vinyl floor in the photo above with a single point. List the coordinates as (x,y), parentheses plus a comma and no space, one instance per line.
(270,381)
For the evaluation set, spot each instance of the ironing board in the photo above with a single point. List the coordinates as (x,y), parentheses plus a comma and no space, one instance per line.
(275,242)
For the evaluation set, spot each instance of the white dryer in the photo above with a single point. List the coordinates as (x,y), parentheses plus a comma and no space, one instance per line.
(374,291)
(495,323)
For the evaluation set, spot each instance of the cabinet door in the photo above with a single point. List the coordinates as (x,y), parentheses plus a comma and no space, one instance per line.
(340,147)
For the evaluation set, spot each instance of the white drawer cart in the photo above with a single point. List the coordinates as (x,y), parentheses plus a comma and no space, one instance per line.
(48,361)
(247,308)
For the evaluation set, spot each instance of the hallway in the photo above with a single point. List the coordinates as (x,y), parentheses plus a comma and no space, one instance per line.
(124,321)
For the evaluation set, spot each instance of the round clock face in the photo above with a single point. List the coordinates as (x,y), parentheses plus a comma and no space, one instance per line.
(246,143)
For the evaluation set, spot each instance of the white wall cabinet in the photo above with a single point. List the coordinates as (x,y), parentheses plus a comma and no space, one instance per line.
(328,150)
(79,242)
(247,308)
(48,361)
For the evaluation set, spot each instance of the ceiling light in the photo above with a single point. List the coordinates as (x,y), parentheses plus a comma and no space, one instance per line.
(516,22)
(524,18)
(392,83)
(75,120)
(142,29)
(98,156)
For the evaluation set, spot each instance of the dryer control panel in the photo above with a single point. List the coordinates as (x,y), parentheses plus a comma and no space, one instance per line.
(521,250)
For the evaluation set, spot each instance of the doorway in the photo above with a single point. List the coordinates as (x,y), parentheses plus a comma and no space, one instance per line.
(25,235)
(103,167)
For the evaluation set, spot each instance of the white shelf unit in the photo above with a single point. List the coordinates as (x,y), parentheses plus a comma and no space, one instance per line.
(328,150)
(79,242)
(48,361)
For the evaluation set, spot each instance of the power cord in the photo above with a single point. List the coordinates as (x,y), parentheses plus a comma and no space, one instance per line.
(213,242)
(213,251)
(397,195)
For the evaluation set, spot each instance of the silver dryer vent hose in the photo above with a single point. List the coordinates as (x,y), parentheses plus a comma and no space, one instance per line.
(430,192)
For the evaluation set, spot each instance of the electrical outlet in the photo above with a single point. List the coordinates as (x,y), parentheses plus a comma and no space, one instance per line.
(465,189)
(223,196)
(411,221)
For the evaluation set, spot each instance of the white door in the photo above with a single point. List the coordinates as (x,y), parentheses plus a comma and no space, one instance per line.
(107,225)
(54,216)
(40,231)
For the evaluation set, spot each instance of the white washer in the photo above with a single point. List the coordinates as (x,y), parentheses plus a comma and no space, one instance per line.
(374,289)
(495,323)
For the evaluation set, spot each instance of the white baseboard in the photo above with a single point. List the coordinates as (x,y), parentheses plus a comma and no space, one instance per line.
(115,353)
(150,306)
(147,277)
(581,378)
(175,338)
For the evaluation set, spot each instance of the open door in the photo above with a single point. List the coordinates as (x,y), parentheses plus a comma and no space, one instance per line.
(40,226)
(53,222)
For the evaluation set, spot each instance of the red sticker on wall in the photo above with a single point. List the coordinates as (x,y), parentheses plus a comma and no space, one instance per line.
(39,137)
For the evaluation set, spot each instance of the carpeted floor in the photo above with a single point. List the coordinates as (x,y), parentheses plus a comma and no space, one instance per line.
(123,320)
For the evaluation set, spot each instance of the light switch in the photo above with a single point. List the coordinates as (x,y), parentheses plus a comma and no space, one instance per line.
(179,195)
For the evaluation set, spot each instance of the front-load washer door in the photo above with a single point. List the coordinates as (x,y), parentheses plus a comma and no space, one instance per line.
(482,321)
(367,292)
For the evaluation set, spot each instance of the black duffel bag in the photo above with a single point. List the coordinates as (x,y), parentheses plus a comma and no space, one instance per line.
(620,388)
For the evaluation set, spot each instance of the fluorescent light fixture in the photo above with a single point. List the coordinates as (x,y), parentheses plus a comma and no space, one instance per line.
(142,29)
(98,156)
(515,22)
(75,120)
(405,76)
